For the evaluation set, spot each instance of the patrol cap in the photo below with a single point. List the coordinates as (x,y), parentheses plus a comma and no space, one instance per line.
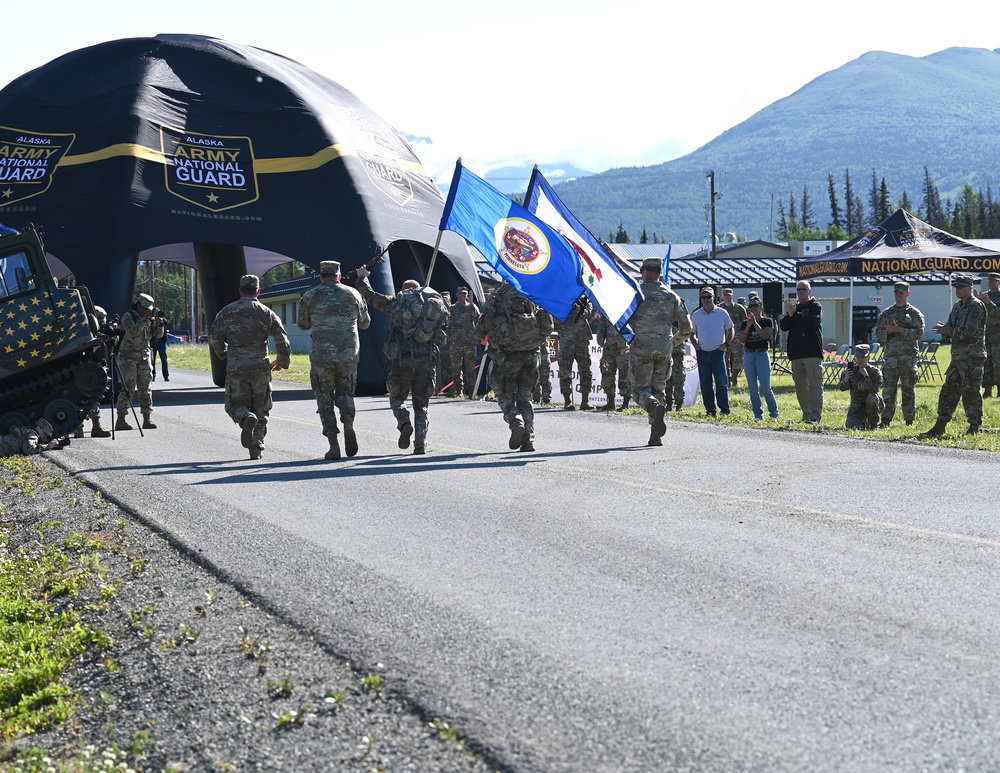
(44,425)
(146,301)
(903,287)
(728,291)
(752,294)
(446,294)
(652,264)
(462,290)
(963,280)
(741,300)
(994,276)
(329,267)
(862,350)
(249,282)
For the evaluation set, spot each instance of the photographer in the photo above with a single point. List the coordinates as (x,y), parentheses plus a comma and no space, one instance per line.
(865,382)
(803,321)
(158,343)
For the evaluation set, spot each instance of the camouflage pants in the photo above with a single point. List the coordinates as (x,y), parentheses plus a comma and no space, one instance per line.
(135,374)
(447,367)
(962,380)
(463,368)
(615,365)
(901,370)
(734,360)
(864,411)
(674,390)
(543,387)
(649,376)
(581,354)
(18,442)
(333,384)
(991,372)
(248,390)
(514,375)
(412,377)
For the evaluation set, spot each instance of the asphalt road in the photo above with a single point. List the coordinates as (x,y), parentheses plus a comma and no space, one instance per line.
(739,599)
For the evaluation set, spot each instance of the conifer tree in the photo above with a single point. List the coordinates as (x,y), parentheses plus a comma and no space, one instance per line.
(808,218)
(835,221)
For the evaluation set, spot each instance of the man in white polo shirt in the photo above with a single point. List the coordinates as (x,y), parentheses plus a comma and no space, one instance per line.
(711,332)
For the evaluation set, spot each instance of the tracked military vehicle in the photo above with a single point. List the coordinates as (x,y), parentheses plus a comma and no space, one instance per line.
(52,352)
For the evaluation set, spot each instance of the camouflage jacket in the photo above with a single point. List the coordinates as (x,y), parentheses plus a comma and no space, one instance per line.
(608,336)
(967,330)
(575,331)
(240,332)
(135,341)
(899,344)
(992,304)
(653,322)
(738,314)
(462,327)
(334,313)
(395,344)
(862,386)
(20,440)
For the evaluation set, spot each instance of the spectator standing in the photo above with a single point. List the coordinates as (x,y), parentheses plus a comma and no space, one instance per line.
(158,344)
(899,329)
(711,333)
(734,349)
(756,333)
(803,322)
(966,327)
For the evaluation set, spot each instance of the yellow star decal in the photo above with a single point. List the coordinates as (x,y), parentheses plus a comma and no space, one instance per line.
(47,355)
(21,344)
(11,315)
(21,363)
(8,349)
(47,329)
(34,352)
(35,318)
(60,303)
(48,311)
(9,331)
(212,198)
(35,336)
(23,325)
(35,302)
(8,193)
(22,306)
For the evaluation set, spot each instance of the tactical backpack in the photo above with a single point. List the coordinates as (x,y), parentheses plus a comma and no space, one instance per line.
(417,316)
(515,325)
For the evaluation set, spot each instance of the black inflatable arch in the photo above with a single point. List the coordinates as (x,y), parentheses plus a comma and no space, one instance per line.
(219,156)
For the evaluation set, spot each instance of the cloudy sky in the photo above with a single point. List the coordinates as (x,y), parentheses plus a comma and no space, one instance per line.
(595,84)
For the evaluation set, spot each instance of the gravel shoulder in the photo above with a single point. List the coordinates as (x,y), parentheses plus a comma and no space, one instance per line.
(199,677)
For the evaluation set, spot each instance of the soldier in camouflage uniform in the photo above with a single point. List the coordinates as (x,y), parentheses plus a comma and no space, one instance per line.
(96,430)
(515,362)
(542,393)
(334,313)
(674,392)
(614,361)
(734,350)
(462,342)
(864,382)
(26,441)
(447,365)
(991,300)
(133,362)
(239,336)
(966,327)
(413,366)
(899,329)
(651,353)
(574,344)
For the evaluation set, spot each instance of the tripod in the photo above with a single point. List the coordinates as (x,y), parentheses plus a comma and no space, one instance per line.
(117,374)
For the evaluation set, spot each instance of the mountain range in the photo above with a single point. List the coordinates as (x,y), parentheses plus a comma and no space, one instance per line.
(885,112)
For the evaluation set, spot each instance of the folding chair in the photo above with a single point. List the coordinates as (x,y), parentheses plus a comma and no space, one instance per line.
(834,366)
(927,362)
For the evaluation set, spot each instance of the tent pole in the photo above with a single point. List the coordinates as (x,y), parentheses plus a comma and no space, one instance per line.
(430,269)
(850,323)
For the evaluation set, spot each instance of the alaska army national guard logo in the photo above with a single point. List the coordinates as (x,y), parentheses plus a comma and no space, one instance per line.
(28,160)
(210,171)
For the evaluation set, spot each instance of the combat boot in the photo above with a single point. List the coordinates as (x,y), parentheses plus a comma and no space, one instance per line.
(404,435)
(625,401)
(528,444)
(938,429)
(585,405)
(659,426)
(350,440)
(568,403)
(248,424)
(885,422)
(516,435)
(147,422)
(256,451)
(609,406)
(122,423)
(973,429)
(334,452)
(419,448)
(78,432)
(96,430)
(654,438)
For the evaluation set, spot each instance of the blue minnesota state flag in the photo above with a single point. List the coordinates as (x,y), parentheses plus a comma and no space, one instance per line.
(529,254)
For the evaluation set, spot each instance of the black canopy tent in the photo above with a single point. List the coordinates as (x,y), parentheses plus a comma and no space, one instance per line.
(219,156)
(901,245)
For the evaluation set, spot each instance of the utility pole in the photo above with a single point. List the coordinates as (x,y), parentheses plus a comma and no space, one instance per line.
(713,195)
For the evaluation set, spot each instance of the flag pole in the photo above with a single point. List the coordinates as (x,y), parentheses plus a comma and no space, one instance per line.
(437,242)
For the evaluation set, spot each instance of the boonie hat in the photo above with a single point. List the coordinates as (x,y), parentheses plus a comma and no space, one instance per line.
(249,282)
(146,301)
(329,267)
